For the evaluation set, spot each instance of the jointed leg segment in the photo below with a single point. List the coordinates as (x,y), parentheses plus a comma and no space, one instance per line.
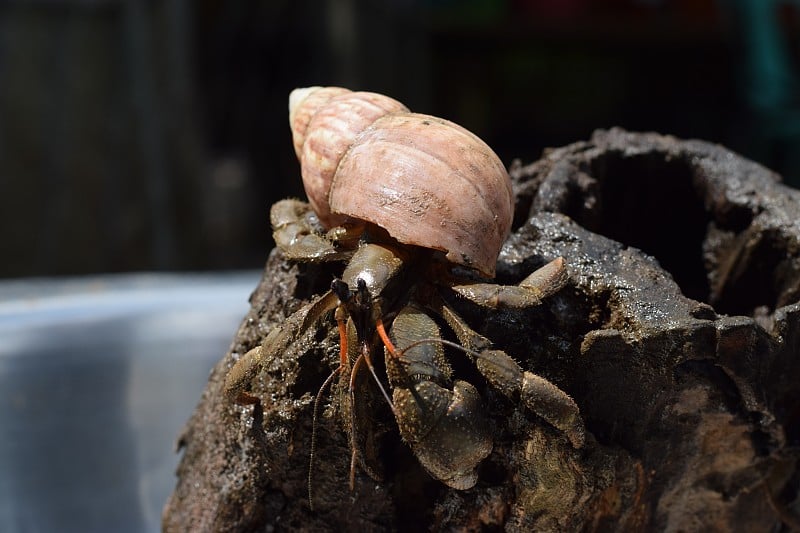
(539,395)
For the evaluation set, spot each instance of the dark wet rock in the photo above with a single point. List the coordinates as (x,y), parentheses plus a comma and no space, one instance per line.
(678,336)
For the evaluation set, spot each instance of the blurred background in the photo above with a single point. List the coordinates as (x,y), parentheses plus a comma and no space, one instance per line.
(152,135)
(143,139)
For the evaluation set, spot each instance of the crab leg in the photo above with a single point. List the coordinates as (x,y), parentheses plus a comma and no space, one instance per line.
(276,343)
(293,228)
(543,282)
(539,395)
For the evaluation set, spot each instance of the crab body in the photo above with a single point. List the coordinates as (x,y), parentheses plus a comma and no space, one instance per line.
(390,299)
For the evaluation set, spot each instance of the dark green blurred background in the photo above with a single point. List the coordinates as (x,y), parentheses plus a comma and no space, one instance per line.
(153,135)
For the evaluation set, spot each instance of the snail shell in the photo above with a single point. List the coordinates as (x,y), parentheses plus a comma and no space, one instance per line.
(427,181)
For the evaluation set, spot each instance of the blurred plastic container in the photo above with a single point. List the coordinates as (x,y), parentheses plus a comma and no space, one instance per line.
(97,378)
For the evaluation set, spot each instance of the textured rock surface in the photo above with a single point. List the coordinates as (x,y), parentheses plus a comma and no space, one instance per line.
(678,336)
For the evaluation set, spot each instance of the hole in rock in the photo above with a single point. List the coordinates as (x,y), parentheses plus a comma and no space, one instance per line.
(649,203)
(755,286)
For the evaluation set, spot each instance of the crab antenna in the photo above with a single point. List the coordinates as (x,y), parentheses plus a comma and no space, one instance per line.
(431,340)
(392,349)
(368,361)
(317,401)
(353,373)
(385,338)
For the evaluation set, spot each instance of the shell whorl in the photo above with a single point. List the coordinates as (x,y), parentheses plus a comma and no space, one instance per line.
(325,123)
(303,104)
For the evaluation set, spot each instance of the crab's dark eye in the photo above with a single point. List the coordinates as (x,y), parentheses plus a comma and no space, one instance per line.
(363,292)
(341,290)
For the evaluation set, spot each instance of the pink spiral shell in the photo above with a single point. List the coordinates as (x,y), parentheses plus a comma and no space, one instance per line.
(427,181)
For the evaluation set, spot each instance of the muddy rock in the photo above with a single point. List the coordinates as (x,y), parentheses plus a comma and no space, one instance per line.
(678,336)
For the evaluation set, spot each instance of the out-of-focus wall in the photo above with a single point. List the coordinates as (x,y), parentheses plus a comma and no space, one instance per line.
(140,135)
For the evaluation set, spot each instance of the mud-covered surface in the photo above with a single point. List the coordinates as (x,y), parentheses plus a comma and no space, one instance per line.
(678,336)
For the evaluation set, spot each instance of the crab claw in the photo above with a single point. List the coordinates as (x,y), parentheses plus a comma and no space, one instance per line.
(441,420)
(446,430)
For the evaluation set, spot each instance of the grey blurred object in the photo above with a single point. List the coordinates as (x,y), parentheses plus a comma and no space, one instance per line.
(97,377)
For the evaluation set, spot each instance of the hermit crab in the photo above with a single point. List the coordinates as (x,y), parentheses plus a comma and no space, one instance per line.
(417,208)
